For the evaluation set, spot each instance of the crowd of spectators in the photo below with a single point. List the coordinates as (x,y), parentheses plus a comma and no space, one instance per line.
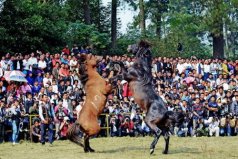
(206,90)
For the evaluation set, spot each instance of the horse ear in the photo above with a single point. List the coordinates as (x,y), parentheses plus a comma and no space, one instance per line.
(144,44)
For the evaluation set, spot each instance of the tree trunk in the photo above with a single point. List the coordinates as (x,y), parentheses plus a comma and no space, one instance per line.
(114,24)
(98,24)
(218,46)
(86,10)
(142,17)
(158,20)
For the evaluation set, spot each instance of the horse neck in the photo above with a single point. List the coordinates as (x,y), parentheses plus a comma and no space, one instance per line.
(91,71)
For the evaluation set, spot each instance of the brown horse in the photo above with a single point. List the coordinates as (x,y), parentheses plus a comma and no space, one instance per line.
(96,89)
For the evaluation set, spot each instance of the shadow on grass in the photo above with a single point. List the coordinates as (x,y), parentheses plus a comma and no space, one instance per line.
(122,149)
(185,150)
(131,148)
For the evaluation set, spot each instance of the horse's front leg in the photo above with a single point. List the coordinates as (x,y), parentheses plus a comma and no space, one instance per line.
(166,138)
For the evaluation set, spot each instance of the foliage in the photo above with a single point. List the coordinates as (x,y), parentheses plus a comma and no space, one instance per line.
(28,25)
(26,28)
(80,32)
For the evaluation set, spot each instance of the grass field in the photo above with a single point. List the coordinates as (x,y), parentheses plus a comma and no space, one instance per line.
(127,148)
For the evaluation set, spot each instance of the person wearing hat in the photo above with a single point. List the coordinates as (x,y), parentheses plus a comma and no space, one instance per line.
(64,128)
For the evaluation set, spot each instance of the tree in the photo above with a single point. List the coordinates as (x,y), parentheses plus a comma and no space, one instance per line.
(156,9)
(86,34)
(86,8)
(25,28)
(113,24)
(142,18)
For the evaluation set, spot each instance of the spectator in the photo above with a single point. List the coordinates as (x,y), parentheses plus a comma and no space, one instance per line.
(2,121)
(214,127)
(64,128)
(47,117)
(15,113)
(35,131)
(127,127)
(210,94)
(60,113)
(234,106)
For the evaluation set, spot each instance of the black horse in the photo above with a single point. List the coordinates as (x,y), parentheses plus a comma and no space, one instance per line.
(139,77)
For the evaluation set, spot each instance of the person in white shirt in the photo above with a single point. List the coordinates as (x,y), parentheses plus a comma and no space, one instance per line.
(79,108)
(180,67)
(214,69)
(32,59)
(207,69)
(214,127)
(73,63)
(42,64)
(26,63)
(3,63)
(54,87)
(46,80)
(1,71)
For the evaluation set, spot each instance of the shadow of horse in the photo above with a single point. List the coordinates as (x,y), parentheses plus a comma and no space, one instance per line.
(123,149)
(180,150)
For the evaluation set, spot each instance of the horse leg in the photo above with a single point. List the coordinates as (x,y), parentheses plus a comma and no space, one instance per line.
(154,142)
(89,147)
(86,143)
(156,130)
(166,138)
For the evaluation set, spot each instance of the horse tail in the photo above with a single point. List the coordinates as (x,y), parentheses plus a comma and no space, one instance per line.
(176,118)
(73,134)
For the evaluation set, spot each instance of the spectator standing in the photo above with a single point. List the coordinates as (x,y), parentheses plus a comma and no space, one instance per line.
(47,116)
(2,121)
(234,106)
(15,113)
(60,113)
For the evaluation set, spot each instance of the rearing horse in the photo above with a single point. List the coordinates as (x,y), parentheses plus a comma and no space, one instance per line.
(96,89)
(139,77)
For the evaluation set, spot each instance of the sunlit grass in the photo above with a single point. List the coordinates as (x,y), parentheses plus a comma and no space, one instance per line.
(127,148)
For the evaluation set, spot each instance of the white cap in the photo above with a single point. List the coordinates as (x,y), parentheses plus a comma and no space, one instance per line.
(123,82)
(66,118)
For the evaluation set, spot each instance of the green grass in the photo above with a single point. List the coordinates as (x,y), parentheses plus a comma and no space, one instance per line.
(127,148)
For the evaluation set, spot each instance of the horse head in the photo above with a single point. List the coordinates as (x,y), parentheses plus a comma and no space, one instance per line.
(88,62)
(142,52)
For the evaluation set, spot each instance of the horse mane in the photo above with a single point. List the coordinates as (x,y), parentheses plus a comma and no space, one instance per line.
(83,70)
(144,58)
(144,72)
(144,44)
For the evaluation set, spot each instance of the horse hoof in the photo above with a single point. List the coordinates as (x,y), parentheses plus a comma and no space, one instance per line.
(91,150)
(165,152)
(152,151)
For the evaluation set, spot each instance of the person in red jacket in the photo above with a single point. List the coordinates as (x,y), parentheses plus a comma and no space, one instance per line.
(66,50)
(127,127)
